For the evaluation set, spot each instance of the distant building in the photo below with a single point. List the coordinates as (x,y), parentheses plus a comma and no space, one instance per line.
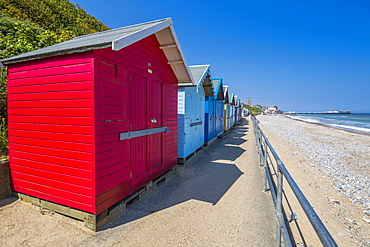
(273,110)
(260,106)
(250,101)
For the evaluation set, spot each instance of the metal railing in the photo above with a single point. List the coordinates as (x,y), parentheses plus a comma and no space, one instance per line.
(275,186)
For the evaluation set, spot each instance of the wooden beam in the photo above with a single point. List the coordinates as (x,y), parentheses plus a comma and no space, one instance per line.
(175,61)
(172,45)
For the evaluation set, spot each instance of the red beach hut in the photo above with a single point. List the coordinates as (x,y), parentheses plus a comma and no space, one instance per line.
(93,119)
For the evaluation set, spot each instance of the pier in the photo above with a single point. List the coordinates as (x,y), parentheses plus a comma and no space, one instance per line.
(325,112)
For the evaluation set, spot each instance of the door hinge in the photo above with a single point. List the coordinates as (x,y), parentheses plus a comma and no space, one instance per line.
(130,174)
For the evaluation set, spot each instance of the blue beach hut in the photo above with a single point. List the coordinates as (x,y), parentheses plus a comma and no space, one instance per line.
(214,112)
(236,108)
(227,108)
(239,112)
(191,112)
(232,110)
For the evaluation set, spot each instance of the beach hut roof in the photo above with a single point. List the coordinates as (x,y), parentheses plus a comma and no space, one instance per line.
(219,89)
(226,94)
(232,99)
(118,39)
(202,75)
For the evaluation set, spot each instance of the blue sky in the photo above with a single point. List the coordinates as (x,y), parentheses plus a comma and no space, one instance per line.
(298,55)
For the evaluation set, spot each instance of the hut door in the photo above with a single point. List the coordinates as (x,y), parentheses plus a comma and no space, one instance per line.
(147,103)
(139,121)
(155,106)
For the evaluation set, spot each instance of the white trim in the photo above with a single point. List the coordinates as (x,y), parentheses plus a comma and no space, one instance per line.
(199,65)
(2,65)
(180,50)
(121,43)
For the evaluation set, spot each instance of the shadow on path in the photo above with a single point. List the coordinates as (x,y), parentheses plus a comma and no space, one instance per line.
(207,177)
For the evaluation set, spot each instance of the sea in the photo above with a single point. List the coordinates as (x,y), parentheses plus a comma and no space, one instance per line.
(358,122)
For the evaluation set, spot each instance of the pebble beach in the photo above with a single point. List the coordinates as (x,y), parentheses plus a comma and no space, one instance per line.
(332,167)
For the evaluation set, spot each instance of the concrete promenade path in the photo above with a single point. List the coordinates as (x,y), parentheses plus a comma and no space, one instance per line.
(216,199)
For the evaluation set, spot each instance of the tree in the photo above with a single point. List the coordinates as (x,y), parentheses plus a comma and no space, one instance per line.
(27,25)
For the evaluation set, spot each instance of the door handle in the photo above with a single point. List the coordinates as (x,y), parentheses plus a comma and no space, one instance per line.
(153,120)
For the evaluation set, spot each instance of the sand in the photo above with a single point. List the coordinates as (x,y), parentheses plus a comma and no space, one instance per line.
(332,168)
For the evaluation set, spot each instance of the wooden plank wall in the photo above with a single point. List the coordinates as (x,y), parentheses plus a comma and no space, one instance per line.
(219,116)
(113,155)
(181,122)
(194,112)
(51,129)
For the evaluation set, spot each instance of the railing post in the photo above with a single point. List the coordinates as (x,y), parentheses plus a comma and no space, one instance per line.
(282,226)
(279,205)
(265,166)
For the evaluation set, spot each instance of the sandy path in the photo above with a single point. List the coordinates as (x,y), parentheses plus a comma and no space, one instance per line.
(214,200)
(332,167)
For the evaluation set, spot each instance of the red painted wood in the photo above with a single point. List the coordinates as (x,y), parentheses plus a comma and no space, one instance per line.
(111,164)
(50,103)
(73,181)
(53,187)
(77,138)
(118,163)
(82,147)
(155,108)
(51,129)
(87,206)
(73,95)
(55,87)
(47,71)
(114,179)
(53,62)
(70,129)
(76,155)
(82,121)
(111,153)
(61,169)
(139,121)
(65,117)
(52,80)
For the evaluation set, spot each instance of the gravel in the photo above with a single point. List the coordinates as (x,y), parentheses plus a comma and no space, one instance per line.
(341,156)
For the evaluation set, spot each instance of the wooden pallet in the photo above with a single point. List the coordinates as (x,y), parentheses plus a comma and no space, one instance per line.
(182,161)
(223,134)
(93,221)
(210,142)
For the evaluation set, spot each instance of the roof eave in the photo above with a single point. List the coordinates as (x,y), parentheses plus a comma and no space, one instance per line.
(13,60)
(189,75)
(166,37)
(219,92)
(123,42)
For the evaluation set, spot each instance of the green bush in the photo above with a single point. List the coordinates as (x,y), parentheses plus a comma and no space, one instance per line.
(27,25)
(253,110)
(3,137)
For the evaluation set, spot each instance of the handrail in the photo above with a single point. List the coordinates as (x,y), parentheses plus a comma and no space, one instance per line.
(282,228)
